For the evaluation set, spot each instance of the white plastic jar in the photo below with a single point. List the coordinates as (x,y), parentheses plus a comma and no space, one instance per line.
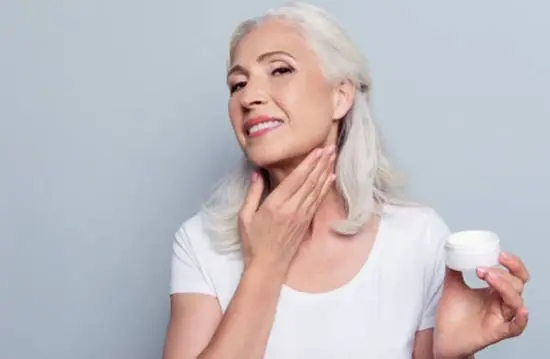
(468,250)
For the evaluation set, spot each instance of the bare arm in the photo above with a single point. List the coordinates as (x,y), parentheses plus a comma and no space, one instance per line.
(244,329)
(197,328)
(193,320)
(424,344)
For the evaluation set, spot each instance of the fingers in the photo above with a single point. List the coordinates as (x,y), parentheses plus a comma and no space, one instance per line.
(516,283)
(314,201)
(519,323)
(312,186)
(253,198)
(515,265)
(295,180)
(509,286)
(506,285)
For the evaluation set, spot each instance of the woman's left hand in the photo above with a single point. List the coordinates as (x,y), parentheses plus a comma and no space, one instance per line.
(469,320)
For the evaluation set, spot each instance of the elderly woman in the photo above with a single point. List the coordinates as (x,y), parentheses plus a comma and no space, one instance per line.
(306,250)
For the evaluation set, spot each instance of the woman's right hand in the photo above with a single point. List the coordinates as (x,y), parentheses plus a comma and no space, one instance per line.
(271,232)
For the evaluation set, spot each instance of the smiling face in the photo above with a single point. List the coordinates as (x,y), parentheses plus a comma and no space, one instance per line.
(281,106)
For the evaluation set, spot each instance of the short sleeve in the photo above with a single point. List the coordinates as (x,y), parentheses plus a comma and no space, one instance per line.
(438,232)
(187,273)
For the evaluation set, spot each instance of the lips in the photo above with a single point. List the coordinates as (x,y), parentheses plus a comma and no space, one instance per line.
(262,124)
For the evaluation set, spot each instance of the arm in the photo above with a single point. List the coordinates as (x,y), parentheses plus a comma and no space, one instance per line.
(245,327)
(424,349)
(193,320)
(197,329)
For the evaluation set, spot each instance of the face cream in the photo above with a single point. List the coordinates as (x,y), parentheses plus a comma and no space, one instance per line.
(468,250)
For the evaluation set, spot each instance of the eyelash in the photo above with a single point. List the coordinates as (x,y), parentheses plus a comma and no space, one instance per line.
(284,69)
(279,71)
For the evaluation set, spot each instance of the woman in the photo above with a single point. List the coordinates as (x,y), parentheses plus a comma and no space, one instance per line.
(306,251)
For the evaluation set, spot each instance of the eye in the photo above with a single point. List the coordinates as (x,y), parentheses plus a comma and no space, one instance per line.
(283,70)
(237,86)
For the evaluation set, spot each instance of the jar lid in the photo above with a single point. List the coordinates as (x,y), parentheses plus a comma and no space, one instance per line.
(473,240)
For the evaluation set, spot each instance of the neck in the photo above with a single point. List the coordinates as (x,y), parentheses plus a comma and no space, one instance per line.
(332,206)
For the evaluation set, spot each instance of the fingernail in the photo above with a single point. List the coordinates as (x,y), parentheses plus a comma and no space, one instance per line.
(329,149)
(505,255)
(482,271)
(254,176)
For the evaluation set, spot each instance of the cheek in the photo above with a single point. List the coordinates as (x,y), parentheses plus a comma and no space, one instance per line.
(311,117)
(309,109)
(236,118)
(234,111)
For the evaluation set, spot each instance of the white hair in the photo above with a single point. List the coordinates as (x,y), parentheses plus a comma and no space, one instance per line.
(364,177)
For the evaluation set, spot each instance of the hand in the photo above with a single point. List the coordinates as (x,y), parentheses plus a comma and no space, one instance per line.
(271,233)
(469,320)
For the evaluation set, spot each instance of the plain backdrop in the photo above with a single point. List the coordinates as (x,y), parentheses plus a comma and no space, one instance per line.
(113,128)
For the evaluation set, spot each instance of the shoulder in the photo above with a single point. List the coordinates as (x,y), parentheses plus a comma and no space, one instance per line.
(414,247)
(420,219)
(418,228)
(192,233)
(196,258)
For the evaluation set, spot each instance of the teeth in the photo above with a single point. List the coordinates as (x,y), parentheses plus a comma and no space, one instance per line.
(263,125)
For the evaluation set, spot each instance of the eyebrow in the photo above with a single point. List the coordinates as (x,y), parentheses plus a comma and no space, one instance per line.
(262,57)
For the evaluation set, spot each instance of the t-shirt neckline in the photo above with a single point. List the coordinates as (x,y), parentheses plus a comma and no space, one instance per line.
(366,268)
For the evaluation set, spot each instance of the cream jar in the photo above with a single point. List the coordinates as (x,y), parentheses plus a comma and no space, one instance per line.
(468,250)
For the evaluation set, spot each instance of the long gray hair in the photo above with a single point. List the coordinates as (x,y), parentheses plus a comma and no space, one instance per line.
(364,177)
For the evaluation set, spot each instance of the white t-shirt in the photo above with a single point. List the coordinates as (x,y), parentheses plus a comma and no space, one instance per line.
(375,315)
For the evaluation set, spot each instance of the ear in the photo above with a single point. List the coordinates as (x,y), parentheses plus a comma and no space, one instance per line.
(343,97)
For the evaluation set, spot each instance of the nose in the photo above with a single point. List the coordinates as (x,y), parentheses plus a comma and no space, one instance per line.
(253,95)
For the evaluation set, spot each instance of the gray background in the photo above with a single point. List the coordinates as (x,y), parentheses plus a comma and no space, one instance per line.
(114,127)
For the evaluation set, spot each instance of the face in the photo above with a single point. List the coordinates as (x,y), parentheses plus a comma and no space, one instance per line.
(281,106)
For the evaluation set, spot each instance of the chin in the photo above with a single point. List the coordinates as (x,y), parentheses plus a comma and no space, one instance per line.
(266,159)
(274,157)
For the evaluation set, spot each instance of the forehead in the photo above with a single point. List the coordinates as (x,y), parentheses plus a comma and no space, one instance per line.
(270,36)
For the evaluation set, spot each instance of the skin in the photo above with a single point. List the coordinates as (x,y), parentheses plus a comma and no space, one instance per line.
(271,75)
(286,239)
